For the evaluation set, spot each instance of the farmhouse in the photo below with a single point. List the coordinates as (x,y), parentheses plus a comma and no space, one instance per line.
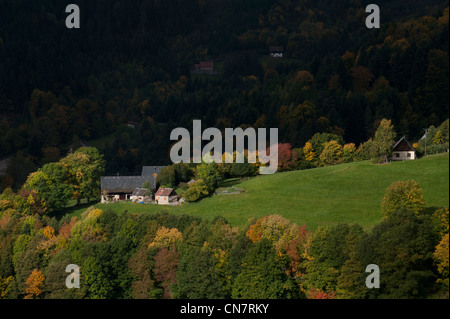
(118,188)
(402,150)
(204,67)
(276,51)
(166,196)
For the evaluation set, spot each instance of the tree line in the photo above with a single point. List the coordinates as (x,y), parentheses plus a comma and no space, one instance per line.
(323,149)
(50,188)
(77,175)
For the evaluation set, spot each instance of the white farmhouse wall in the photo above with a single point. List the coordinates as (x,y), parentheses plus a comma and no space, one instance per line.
(162,200)
(402,156)
(107,199)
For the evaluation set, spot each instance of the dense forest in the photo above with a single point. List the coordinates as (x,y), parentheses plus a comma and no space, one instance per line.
(132,61)
(162,255)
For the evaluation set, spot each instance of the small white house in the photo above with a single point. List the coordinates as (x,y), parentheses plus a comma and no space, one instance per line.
(276,51)
(166,196)
(402,151)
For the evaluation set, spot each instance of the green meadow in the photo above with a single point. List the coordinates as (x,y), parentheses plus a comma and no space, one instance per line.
(349,193)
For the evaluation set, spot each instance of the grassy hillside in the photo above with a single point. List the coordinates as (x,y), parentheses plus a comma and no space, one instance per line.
(349,193)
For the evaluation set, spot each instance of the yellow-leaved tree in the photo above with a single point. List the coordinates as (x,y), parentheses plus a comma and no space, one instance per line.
(166,237)
(309,152)
(403,194)
(441,254)
(441,258)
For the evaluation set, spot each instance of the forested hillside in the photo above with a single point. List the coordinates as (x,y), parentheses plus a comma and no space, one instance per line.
(161,255)
(130,62)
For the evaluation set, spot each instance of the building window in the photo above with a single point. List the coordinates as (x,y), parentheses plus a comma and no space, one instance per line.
(409,155)
(397,155)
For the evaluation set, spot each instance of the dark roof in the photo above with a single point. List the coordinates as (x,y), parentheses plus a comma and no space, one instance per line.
(205,64)
(140,192)
(125,184)
(150,170)
(276,49)
(403,146)
(165,192)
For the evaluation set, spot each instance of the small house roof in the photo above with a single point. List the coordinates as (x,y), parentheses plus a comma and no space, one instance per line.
(125,184)
(403,146)
(276,49)
(204,65)
(165,192)
(140,192)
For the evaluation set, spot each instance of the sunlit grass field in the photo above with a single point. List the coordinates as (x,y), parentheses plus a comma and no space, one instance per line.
(349,193)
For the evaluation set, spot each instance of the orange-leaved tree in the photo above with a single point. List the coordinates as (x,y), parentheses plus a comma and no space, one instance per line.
(35,284)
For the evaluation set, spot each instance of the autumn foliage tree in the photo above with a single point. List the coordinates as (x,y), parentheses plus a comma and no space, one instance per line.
(5,286)
(441,258)
(143,284)
(441,254)
(196,191)
(166,237)
(295,251)
(319,140)
(384,138)
(85,167)
(50,182)
(275,228)
(314,293)
(309,152)
(348,152)
(35,284)
(331,154)
(287,158)
(403,194)
(165,269)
